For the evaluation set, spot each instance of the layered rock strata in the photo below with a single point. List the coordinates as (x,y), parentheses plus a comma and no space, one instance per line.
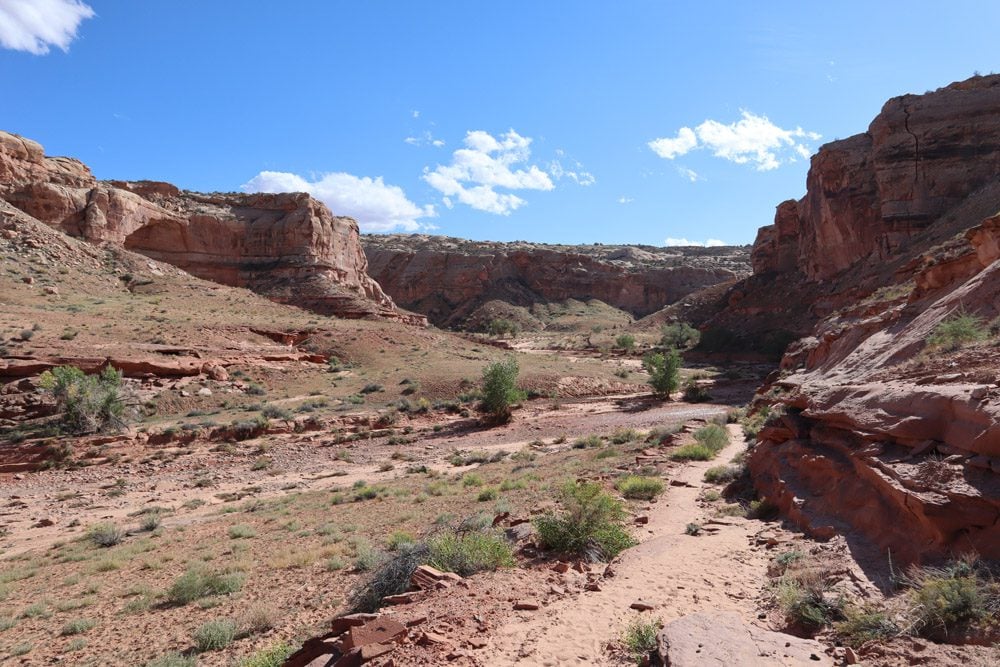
(447,279)
(288,247)
(874,430)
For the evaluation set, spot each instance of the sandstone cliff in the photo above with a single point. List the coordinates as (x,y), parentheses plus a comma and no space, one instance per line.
(872,429)
(447,279)
(288,247)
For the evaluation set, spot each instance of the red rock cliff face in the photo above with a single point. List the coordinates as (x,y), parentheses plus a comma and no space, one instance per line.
(288,247)
(447,279)
(875,431)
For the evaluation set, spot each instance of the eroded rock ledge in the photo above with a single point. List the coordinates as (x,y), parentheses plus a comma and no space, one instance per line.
(288,247)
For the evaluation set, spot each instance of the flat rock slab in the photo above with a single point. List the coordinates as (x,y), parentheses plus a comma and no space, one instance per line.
(725,639)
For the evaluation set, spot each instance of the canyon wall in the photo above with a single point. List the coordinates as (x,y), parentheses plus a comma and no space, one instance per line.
(875,429)
(447,279)
(288,247)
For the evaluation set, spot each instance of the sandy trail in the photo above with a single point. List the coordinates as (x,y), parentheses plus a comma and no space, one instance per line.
(677,573)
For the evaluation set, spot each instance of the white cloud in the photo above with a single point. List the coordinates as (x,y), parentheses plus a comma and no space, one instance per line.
(415,113)
(579,176)
(671,148)
(625,200)
(486,163)
(426,138)
(36,25)
(752,139)
(710,243)
(376,206)
(689,174)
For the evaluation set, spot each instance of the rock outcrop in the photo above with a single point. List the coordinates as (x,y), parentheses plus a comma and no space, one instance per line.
(873,430)
(447,279)
(288,247)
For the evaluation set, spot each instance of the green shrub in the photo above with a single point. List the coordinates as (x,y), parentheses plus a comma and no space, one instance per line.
(487,495)
(625,342)
(242,531)
(692,529)
(272,656)
(864,624)
(723,474)
(466,553)
(588,442)
(639,638)
(713,436)
(472,479)
(89,403)
(958,330)
(664,371)
(623,435)
(400,539)
(174,660)
(105,535)
(640,488)
(500,390)
(693,452)
(696,393)
(948,598)
(215,635)
(801,594)
(590,523)
(679,336)
(275,412)
(77,626)
(197,583)
(389,576)
(502,327)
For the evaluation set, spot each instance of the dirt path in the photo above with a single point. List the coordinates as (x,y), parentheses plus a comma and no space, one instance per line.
(677,573)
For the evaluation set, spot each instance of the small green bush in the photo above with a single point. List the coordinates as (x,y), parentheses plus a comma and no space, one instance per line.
(215,635)
(639,638)
(502,327)
(499,388)
(77,626)
(948,598)
(590,523)
(242,531)
(640,488)
(588,442)
(89,403)
(275,412)
(272,656)
(713,436)
(679,336)
(693,452)
(389,576)
(105,535)
(623,435)
(469,552)
(625,342)
(864,624)
(197,583)
(174,660)
(723,474)
(696,393)
(487,495)
(664,371)
(958,330)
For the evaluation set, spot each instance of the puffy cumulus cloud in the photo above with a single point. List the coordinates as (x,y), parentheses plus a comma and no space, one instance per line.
(37,25)
(376,206)
(710,243)
(751,140)
(625,200)
(485,164)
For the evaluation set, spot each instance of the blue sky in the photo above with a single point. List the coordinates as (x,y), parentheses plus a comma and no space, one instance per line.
(573,122)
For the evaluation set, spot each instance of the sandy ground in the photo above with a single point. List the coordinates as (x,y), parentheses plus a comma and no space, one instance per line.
(677,573)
